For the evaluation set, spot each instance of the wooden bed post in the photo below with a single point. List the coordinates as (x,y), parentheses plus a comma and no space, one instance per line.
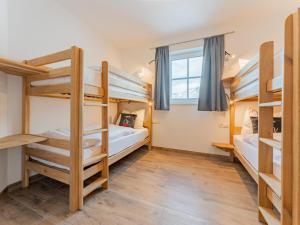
(231,121)
(287,125)
(296,120)
(76,168)
(265,130)
(105,122)
(150,111)
(25,130)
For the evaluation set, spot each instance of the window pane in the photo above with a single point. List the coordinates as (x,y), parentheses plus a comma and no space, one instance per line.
(179,68)
(194,87)
(195,65)
(179,88)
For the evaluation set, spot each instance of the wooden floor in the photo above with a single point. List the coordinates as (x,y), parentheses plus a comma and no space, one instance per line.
(146,188)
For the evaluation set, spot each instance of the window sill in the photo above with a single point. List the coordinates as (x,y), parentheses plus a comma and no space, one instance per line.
(184,102)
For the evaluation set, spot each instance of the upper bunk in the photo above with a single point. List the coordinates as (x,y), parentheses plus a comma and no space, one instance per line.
(52,75)
(245,85)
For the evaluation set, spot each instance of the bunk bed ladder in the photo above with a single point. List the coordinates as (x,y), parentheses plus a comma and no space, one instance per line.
(98,165)
(275,193)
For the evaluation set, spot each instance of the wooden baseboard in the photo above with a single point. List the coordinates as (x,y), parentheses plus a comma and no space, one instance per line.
(224,157)
(18,185)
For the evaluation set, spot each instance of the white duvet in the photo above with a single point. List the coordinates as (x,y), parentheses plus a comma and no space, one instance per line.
(252,139)
(120,138)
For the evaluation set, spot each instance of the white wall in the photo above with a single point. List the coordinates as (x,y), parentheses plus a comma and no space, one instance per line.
(183,127)
(37,28)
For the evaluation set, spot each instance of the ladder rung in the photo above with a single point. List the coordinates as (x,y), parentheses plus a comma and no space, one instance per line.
(270,104)
(272,182)
(87,132)
(93,186)
(94,159)
(269,216)
(276,201)
(95,104)
(271,142)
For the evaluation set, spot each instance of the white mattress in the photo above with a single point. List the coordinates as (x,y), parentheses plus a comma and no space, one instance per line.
(120,138)
(249,149)
(93,77)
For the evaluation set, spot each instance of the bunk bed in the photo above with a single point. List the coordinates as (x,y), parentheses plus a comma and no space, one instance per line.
(79,156)
(278,186)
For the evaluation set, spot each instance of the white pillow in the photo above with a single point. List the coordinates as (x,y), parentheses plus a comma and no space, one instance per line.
(247,124)
(139,121)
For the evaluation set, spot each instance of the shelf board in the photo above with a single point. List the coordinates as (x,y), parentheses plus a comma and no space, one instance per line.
(270,104)
(20,69)
(224,146)
(19,140)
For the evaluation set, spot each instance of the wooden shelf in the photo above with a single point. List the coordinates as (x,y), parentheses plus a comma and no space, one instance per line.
(20,69)
(223,146)
(269,216)
(19,140)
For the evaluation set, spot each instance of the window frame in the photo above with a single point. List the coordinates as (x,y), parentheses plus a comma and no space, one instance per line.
(184,54)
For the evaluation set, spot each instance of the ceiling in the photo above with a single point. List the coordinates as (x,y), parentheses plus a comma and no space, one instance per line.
(128,23)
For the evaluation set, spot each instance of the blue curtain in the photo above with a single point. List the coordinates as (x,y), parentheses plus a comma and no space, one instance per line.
(162,79)
(212,94)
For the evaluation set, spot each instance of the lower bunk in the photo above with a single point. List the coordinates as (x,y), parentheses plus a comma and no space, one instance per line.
(51,158)
(246,150)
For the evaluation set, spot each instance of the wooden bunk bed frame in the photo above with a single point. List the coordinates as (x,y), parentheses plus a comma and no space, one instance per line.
(95,169)
(278,199)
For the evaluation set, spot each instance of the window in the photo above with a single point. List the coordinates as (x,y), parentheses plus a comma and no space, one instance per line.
(186,68)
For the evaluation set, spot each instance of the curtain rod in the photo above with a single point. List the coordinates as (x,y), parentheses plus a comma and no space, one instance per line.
(197,39)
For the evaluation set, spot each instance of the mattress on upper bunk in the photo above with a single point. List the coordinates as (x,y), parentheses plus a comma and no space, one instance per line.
(247,146)
(124,83)
(120,138)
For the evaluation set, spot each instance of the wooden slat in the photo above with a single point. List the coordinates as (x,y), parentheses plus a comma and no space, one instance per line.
(127,96)
(87,173)
(53,73)
(88,132)
(271,142)
(50,89)
(272,182)
(269,216)
(127,151)
(93,186)
(20,69)
(19,140)
(94,159)
(270,104)
(92,90)
(57,143)
(49,156)
(275,84)
(274,199)
(95,104)
(52,58)
(51,172)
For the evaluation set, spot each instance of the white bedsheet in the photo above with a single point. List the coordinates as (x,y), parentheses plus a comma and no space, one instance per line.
(120,138)
(249,149)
